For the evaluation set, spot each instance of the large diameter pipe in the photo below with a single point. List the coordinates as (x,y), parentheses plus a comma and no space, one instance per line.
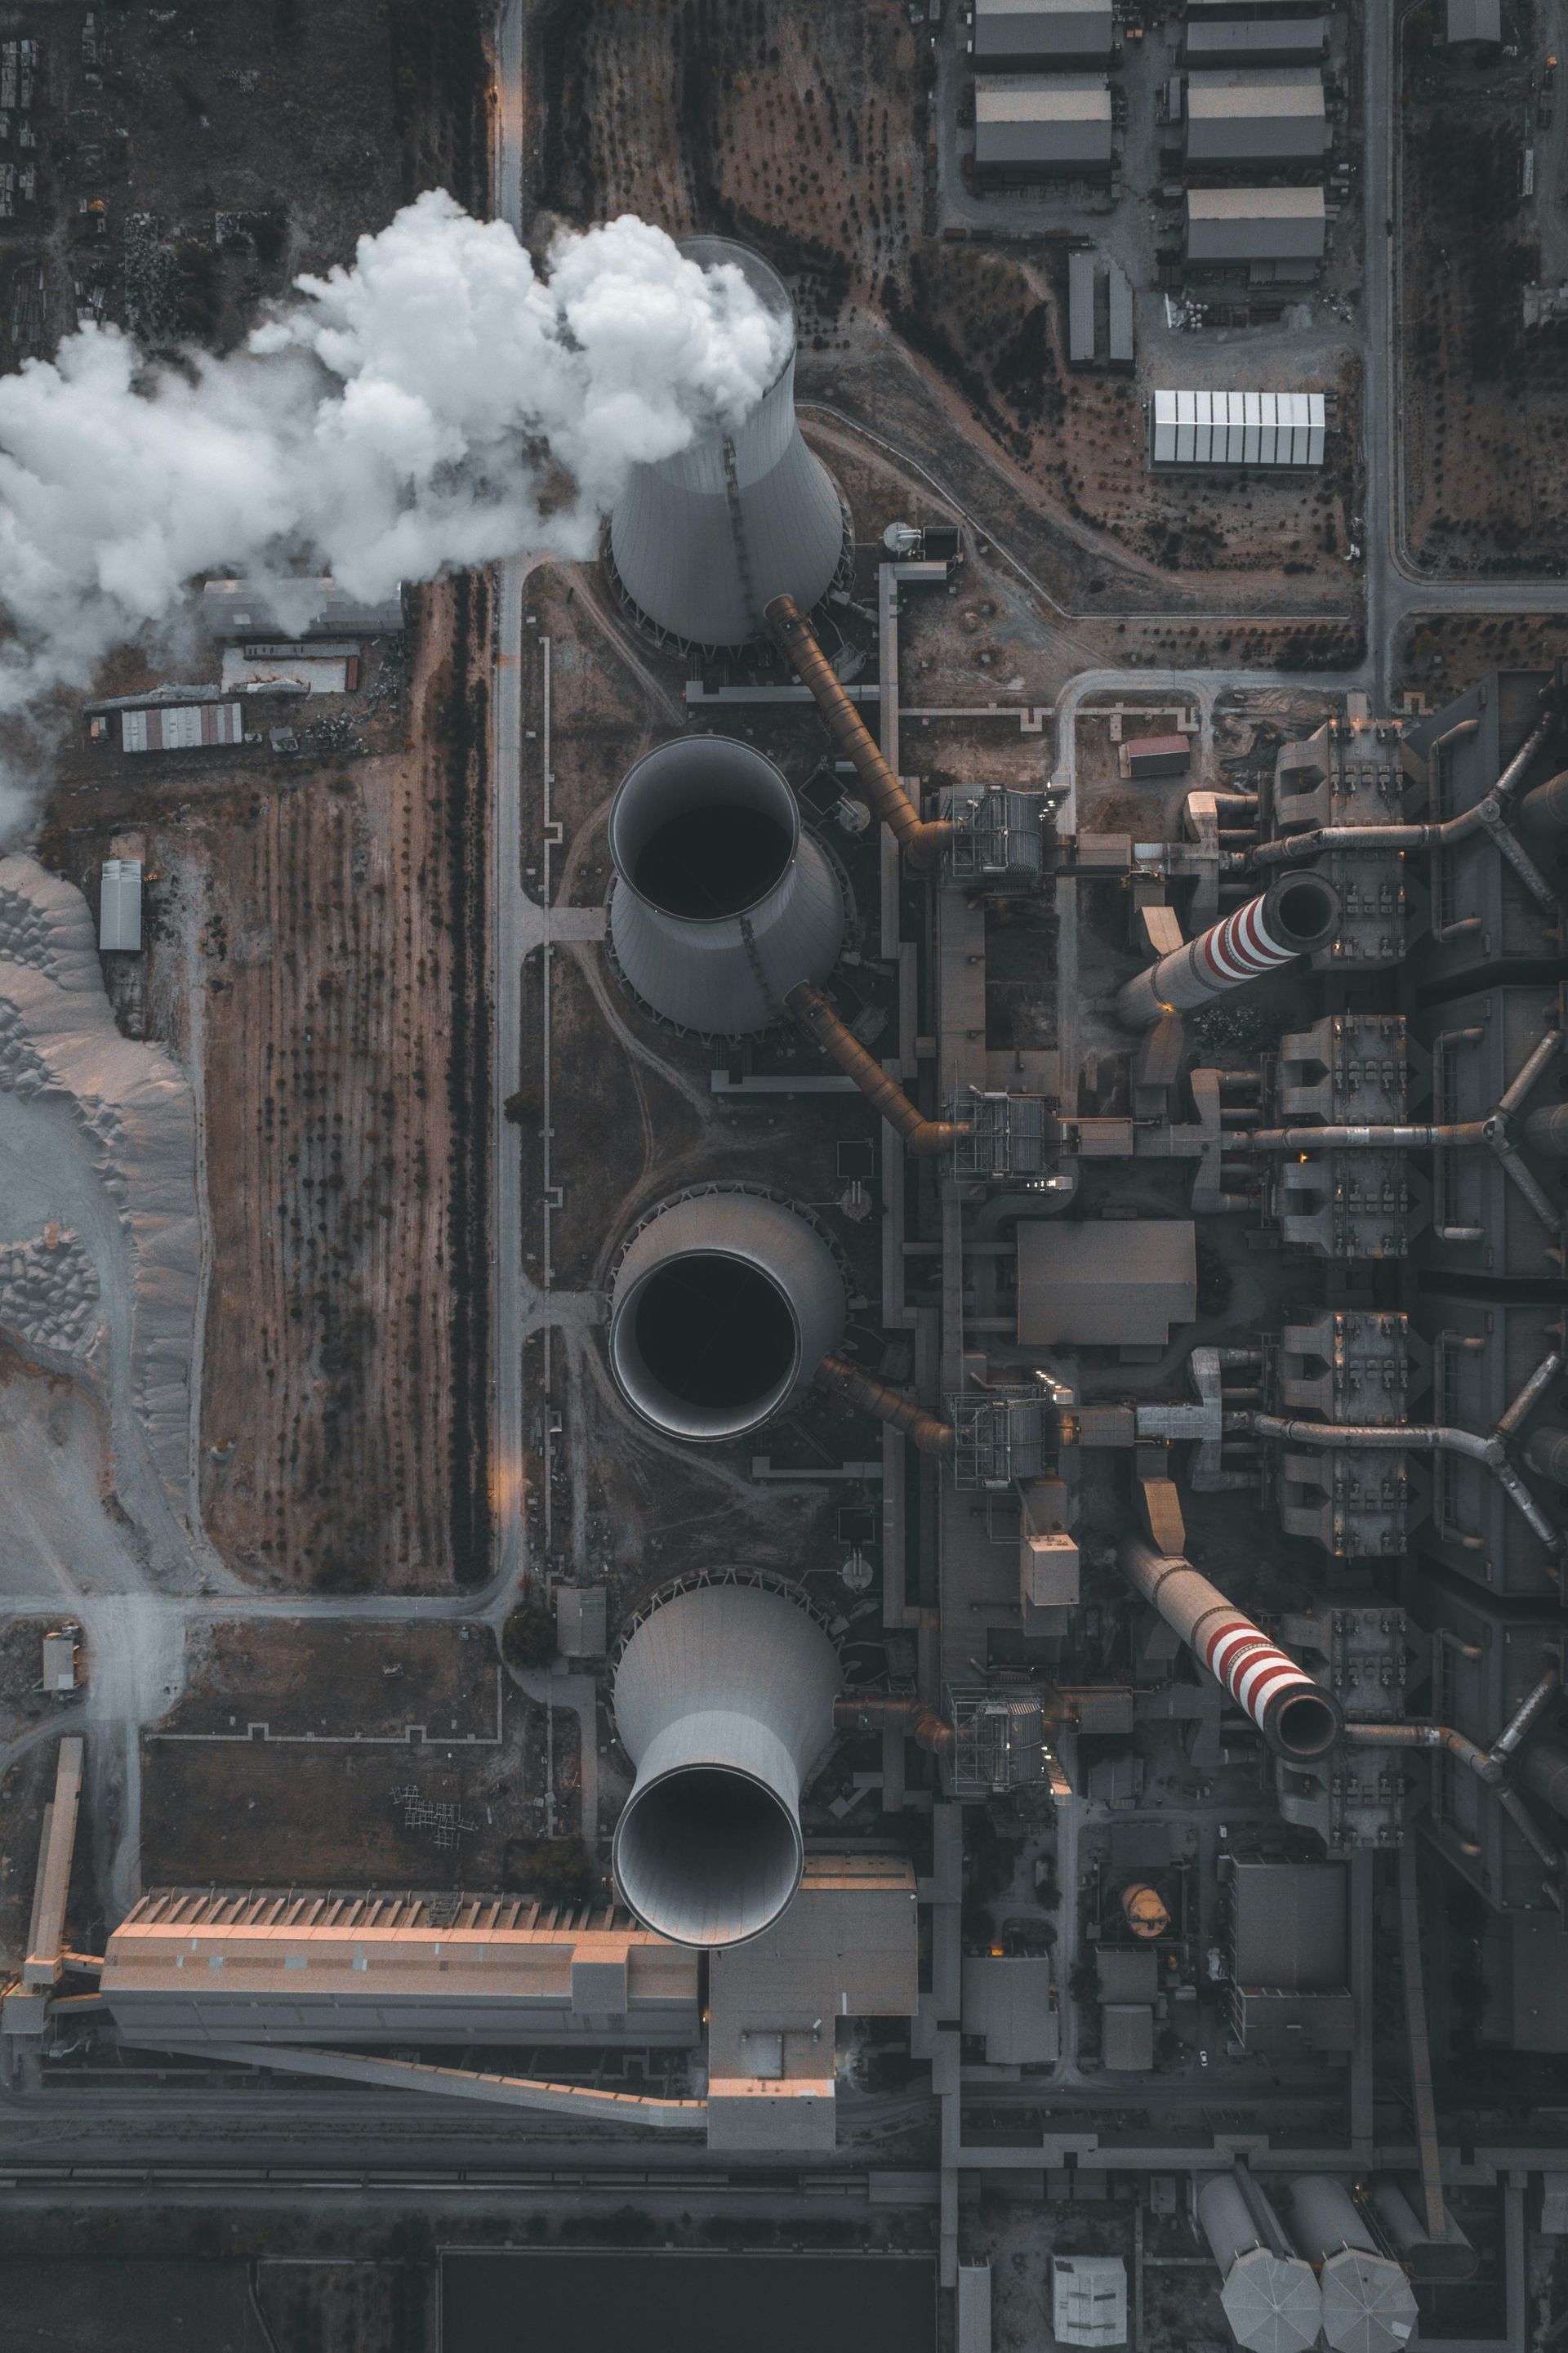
(1292,917)
(723,1700)
(1545,810)
(859,1711)
(1451,2257)
(1547,1452)
(858,1388)
(1547,1130)
(1544,1769)
(922,841)
(1298,1717)
(839,1043)
(1416,1438)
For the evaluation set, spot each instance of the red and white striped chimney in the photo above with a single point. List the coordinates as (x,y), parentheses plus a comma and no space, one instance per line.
(1291,918)
(1298,1717)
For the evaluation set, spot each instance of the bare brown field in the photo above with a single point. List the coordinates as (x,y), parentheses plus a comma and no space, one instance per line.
(332,1680)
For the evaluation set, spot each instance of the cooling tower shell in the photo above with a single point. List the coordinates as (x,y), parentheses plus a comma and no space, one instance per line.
(782,1282)
(700,541)
(724,974)
(723,1700)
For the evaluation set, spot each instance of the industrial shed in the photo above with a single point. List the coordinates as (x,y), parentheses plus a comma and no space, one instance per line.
(1271,115)
(120,906)
(1042,33)
(1286,226)
(1042,126)
(181,726)
(1256,41)
(1123,1288)
(1080,307)
(1288,1956)
(1473,20)
(1237,428)
(234,609)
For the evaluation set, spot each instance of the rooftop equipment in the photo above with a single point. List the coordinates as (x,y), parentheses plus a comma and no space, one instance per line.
(1368,2305)
(1255,940)
(1270,2297)
(1296,1715)
(701,541)
(721,903)
(725,1305)
(723,1700)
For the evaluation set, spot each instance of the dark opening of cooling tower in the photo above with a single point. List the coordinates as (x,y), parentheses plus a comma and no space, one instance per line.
(718,860)
(715,1333)
(707,1855)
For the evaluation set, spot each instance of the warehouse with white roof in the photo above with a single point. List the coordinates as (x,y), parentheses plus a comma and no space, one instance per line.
(1256,115)
(1028,33)
(1042,126)
(1285,227)
(1237,428)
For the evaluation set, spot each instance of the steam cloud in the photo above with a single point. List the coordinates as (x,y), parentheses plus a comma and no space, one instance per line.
(401,418)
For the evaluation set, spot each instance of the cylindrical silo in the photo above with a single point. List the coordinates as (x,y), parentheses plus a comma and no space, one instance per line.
(1394,2203)
(722,1309)
(1368,2304)
(1270,2299)
(701,542)
(721,905)
(723,1700)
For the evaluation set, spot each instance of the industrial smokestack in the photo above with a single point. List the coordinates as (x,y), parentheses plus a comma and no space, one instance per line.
(723,1700)
(721,905)
(1368,2303)
(722,1307)
(1292,917)
(1270,2297)
(701,541)
(1298,1717)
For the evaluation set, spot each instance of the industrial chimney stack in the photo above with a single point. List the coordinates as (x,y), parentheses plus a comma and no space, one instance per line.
(700,541)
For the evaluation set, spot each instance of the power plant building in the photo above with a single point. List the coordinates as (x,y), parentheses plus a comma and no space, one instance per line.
(1237,428)
(1034,33)
(1264,116)
(1286,228)
(1042,126)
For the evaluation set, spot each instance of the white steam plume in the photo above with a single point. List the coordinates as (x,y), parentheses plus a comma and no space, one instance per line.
(401,418)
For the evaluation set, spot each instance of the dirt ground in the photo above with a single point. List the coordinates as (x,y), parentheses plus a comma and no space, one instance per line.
(23,1702)
(132,2304)
(257,1813)
(1485,400)
(339,1681)
(1439,658)
(25,1792)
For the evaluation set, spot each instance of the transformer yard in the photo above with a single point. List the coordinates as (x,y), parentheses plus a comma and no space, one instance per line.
(783,1380)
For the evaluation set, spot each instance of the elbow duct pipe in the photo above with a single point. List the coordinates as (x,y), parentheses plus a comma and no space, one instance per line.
(1291,918)
(723,1700)
(1298,1717)
(722,902)
(698,540)
(1418,1438)
(721,1308)
(873,1396)
(922,842)
(859,1711)
(1544,1769)
(839,1043)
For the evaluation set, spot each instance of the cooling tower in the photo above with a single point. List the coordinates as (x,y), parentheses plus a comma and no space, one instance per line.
(700,541)
(722,1309)
(723,1700)
(721,903)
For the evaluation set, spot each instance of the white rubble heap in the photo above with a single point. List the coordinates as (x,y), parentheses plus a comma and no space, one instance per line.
(99,1235)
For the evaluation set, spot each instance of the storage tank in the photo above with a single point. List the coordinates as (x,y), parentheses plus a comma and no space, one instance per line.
(700,541)
(724,1303)
(1270,2297)
(723,1700)
(1369,2306)
(722,903)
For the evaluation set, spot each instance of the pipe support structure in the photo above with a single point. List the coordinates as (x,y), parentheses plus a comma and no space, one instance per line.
(922,840)
(1290,919)
(1299,1719)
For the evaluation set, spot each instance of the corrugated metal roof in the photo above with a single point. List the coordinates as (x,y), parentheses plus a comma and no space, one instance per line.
(1043,8)
(1080,306)
(1256,224)
(1238,428)
(1088,2299)
(1120,313)
(1474,20)
(1040,98)
(1254,203)
(1265,90)
(1256,38)
(182,727)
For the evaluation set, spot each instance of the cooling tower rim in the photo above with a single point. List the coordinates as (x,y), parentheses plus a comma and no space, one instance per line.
(748,755)
(729,1187)
(639,1799)
(759,275)
(738,1574)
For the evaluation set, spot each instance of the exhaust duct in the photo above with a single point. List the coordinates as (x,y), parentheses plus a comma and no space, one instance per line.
(723,1700)
(722,1308)
(701,542)
(721,905)
(1299,1720)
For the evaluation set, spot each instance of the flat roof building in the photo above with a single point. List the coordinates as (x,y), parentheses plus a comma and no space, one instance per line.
(1088,2300)
(1080,308)
(1121,293)
(181,727)
(1040,126)
(119,902)
(1288,1956)
(1126,2037)
(1473,20)
(1237,428)
(1271,115)
(1007,1999)
(1124,1289)
(1256,41)
(1256,225)
(313,607)
(1042,33)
